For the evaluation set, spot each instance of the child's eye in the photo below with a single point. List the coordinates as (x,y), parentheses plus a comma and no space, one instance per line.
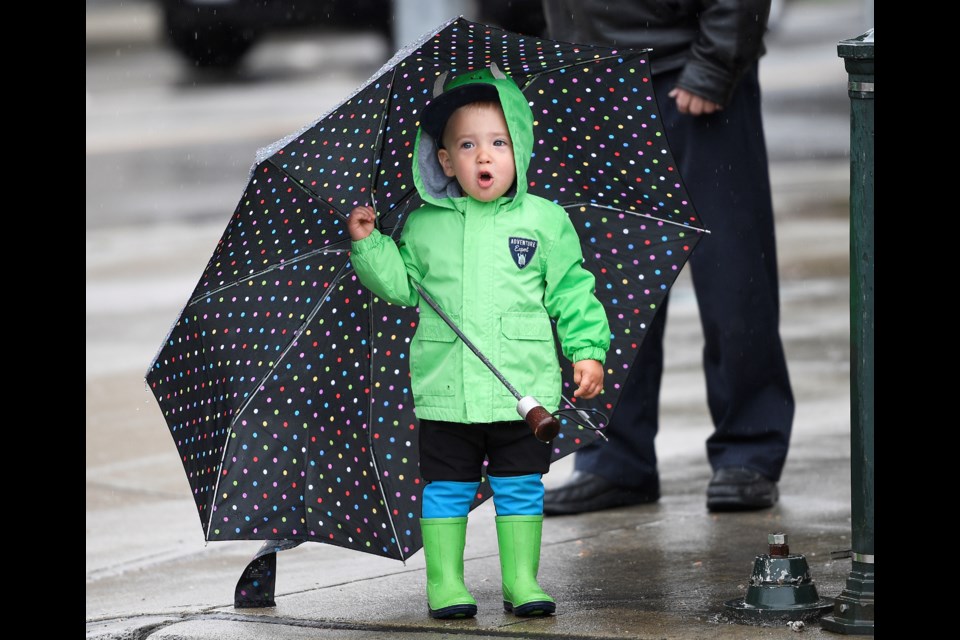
(466,145)
(500,143)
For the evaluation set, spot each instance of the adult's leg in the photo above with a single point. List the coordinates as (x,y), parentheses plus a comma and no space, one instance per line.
(629,459)
(722,159)
(622,471)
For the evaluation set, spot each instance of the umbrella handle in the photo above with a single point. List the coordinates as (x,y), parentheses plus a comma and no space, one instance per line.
(544,425)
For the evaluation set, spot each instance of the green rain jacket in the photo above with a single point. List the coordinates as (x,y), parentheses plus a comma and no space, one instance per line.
(501,270)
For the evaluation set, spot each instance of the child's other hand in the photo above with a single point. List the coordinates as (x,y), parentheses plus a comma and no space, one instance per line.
(588,376)
(360,222)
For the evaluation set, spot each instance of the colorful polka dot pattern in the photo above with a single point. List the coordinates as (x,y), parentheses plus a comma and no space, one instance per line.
(284,382)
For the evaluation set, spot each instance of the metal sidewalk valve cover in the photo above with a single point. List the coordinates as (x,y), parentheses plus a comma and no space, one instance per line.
(780,588)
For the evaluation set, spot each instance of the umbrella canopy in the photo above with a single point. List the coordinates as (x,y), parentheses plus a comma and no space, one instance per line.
(284,382)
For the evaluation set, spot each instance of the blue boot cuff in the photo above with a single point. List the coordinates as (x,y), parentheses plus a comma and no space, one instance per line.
(448,499)
(517,495)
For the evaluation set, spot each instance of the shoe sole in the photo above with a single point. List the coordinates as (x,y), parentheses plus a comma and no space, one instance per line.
(733,504)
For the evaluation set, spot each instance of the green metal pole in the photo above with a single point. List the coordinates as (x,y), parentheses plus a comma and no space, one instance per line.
(853,608)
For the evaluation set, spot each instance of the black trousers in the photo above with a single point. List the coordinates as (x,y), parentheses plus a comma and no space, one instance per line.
(456,452)
(723,161)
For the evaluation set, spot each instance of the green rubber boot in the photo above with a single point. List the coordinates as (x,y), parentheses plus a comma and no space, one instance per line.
(443,543)
(519,540)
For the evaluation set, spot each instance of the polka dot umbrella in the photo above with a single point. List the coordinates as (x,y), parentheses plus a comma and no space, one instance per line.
(285,383)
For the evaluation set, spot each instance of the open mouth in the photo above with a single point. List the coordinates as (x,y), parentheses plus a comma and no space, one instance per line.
(485,179)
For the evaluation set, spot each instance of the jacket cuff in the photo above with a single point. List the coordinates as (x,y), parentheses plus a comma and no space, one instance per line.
(589,353)
(707,82)
(371,241)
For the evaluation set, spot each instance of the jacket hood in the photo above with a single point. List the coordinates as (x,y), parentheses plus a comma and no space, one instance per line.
(484,84)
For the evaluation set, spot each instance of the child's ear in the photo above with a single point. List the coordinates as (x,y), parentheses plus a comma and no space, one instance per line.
(446,162)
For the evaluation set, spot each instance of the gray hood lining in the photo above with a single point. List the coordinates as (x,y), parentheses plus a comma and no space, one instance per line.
(435,181)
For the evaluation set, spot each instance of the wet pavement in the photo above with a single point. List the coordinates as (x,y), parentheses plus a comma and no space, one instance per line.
(644,572)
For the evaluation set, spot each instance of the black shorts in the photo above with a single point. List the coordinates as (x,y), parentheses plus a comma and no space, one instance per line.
(455,452)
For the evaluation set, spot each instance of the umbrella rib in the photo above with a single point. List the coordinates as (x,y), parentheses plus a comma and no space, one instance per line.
(575,205)
(585,417)
(378,145)
(296,335)
(272,267)
(370,407)
(236,416)
(383,493)
(583,414)
(371,444)
(615,53)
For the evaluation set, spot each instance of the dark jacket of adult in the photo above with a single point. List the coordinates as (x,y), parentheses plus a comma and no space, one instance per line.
(712,41)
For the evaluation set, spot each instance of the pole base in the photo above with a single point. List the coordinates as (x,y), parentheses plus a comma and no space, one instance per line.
(740,611)
(847,627)
(853,608)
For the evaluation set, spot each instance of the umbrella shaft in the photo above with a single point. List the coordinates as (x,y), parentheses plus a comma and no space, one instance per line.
(436,307)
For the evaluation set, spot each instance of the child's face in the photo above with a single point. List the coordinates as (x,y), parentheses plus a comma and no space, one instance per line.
(478,151)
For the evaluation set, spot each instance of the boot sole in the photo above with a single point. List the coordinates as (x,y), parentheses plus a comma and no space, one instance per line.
(530,609)
(454,611)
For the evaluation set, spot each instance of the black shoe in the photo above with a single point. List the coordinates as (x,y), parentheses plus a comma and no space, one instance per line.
(588,492)
(740,489)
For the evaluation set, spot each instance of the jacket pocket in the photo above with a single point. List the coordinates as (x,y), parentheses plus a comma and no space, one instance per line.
(528,354)
(434,360)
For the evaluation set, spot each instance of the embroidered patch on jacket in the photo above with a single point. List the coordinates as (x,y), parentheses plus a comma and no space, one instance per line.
(522,250)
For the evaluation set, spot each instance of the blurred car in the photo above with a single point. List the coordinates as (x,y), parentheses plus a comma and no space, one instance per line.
(219,33)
